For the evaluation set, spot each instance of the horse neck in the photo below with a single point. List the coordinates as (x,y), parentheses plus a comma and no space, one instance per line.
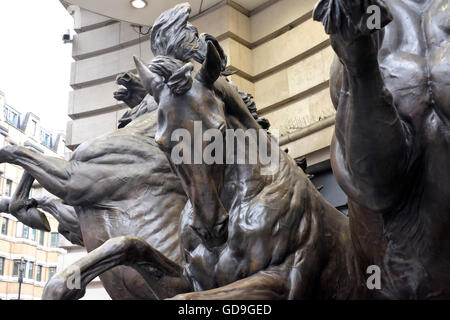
(238,117)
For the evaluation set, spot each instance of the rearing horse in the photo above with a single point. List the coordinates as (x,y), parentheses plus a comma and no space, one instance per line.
(245,235)
(391,150)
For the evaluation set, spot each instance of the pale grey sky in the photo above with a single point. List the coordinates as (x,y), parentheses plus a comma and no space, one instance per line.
(34,61)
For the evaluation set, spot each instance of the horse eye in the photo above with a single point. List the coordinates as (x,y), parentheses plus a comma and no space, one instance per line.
(221,227)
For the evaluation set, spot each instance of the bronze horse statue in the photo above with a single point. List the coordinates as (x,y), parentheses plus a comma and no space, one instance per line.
(119,184)
(391,149)
(144,201)
(248,235)
(243,235)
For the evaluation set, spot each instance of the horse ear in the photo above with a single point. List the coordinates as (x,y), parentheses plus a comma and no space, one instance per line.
(212,66)
(147,77)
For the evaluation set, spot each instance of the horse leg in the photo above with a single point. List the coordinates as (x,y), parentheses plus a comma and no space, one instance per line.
(24,209)
(295,279)
(261,286)
(52,173)
(164,276)
(370,151)
(66,216)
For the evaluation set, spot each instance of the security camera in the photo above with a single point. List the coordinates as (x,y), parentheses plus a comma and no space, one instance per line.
(67,38)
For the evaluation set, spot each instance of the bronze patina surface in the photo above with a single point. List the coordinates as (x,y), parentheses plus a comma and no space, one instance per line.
(158,229)
(391,149)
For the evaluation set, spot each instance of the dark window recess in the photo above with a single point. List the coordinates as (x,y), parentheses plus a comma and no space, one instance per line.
(330,190)
(38,273)
(5,226)
(2,265)
(51,272)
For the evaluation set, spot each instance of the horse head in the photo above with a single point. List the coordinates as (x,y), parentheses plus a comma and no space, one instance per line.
(185,102)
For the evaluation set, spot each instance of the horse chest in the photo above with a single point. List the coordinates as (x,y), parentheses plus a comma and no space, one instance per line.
(415,58)
(209,268)
(417,255)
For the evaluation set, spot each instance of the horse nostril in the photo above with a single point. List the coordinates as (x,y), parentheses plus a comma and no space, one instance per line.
(202,232)
(220,229)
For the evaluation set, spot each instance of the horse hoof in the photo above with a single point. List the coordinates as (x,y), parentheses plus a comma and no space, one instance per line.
(346,19)
(57,289)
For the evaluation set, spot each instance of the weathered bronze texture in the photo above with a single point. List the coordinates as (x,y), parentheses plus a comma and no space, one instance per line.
(157,229)
(246,235)
(119,185)
(243,235)
(391,149)
(23,208)
(26,211)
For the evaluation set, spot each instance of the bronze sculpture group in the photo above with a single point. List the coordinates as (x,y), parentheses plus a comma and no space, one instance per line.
(155,229)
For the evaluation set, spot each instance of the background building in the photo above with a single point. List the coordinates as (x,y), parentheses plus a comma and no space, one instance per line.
(39,249)
(281,56)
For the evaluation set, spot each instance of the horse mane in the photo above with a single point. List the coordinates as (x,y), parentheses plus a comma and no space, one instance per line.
(172,35)
(176,74)
(174,42)
(251,106)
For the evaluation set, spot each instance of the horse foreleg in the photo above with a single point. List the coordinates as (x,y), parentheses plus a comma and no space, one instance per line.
(370,149)
(164,276)
(24,209)
(69,225)
(52,173)
(261,286)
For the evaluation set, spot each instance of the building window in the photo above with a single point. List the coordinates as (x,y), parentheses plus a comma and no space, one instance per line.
(26,232)
(2,265)
(33,127)
(54,239)
(51,272)
(5,226)
(33,234)
(12,117)
(30,270)
(46,139)
(16,267)
(41,238)
(8,188)
(38,273)
(19,230)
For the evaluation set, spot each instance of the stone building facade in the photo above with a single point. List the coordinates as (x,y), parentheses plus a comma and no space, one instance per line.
(40,251)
